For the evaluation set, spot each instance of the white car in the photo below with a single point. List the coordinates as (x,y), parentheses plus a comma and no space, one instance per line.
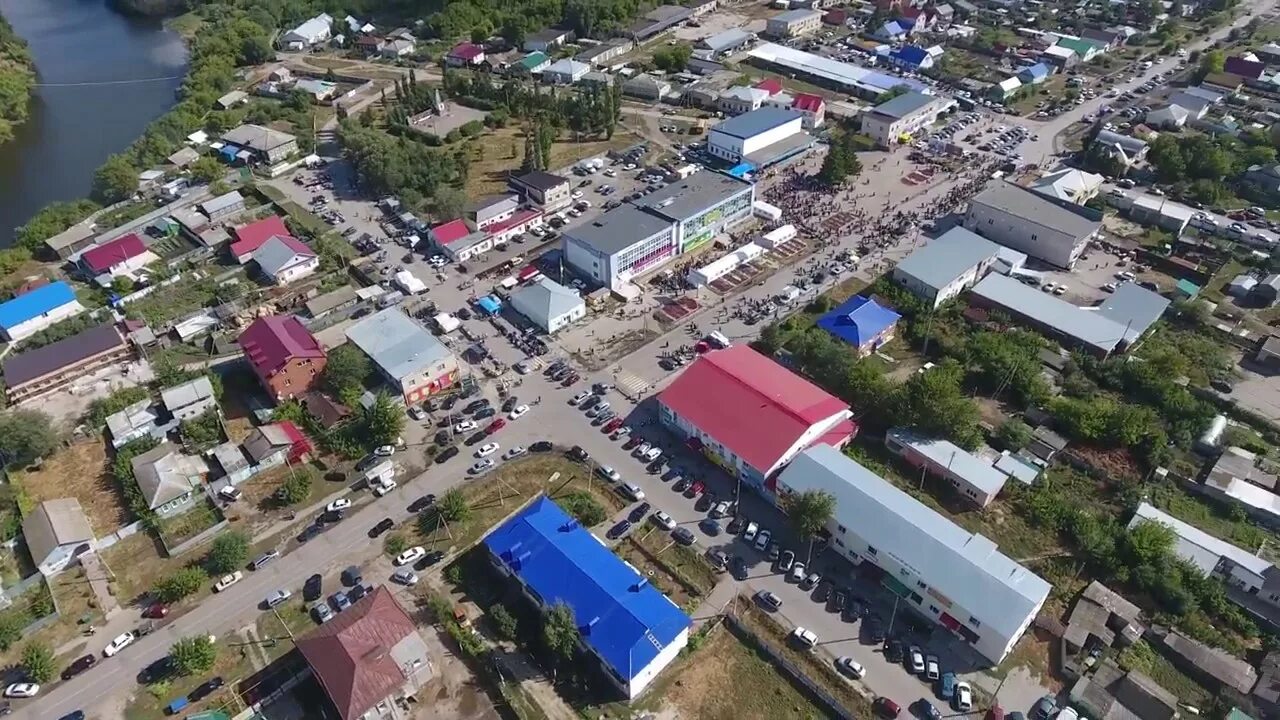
(518,412)
(629,166)
(22,690)
(664,521)
(412,555)
(339,504)
(749,535)
(482,465)
(964,697)
(762,540)
(384,451)
(514,452)
(227,581)
(579,397)
(405,577)
(487,449)
(609,473)
(278,598)
(848,666)
(797,572)
(633,491)
(807,638)
(122,641)
(464,426)
(652,454)
(917,660)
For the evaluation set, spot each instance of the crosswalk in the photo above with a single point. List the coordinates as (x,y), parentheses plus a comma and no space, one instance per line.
(630,384)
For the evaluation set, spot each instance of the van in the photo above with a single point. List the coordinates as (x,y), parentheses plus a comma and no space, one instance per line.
(263,559)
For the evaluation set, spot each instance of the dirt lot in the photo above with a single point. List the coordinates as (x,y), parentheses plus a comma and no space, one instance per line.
(499,152)
(80,471)
(136,563)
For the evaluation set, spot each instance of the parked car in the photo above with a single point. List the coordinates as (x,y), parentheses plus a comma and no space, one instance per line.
(807,639)
(277,598)
(120,642)
(227,581)
(916,659)
(850,667)
(769,600)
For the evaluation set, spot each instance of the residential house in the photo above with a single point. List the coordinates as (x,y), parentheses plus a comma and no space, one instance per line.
(911,58)
(1216,670)
(891,32)
(1125,148)
(170,480)
(231,99)
(276,443)
(137,420)
(326,411)
(1241,478)
(741,99)
(369,44)
(409,357)
(565,72)
(465,54)
(121,257)
(1045,444)
(1109,39)
(312,32)
(286,358)
(1265,180)
(333,301)
(646,87)
(1113,693)
(1060,57)
(626,625)
(972,477)
(1244,68)
(1101,617)
(1035,74)
(30,312)
(56,533)
(263,145)
(398,48)
(1223,82)
(549,305)
(248,238)
(1069,185)
(285,259)
(31,375)
(861,323)
(547,39)
(223,206)
(812,107)
(183,157)
(1005,89)
(531,64)
(320,90)
(1197,100)
(1169,117)
(190,399)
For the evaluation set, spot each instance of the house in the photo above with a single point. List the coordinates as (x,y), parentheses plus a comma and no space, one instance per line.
(862,323)
(169,479)
(1169,117)
(285,357)
(898,119)
(276,443)
(231,99)
(890,32)
(458,241)
(1197,100)
(34,374)
(658,21)
(1125,148)
(1216,670)
(1268,354)
(547,39)
(532,64)
(223,206)
(369,659)
(333,301)
(1244,68)
(465,54)
(792,23)
(911,58)
(646,87)
(123,256)
(134,421)
(369,44)
(1031,223)
(707,402)
(1034,74)
(549,305)
(312,32)
(1045,444)
(741,99)
(1069,185)
(183,157)
(1083,48)
(942,572)
(409,357)
(1223,82)
(605,53)
(397,48)
(1237,477)
(565,72)
(490,209)
(1113,693)
(285,259)
(625,623)
(1005,89)
(1266,694)
(1060,57)
(975,479)
(248,238)
(326,411)
(544,190)
(1102,617)
(319,90)
(56,532)
(947,266)
(37,309)
(726,42)
(263,144)
(1267,291)
(190,399)
(812,107)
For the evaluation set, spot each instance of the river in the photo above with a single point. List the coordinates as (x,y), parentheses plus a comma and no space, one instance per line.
(82,112)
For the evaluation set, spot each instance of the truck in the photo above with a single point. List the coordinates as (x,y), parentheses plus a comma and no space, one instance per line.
(409,283)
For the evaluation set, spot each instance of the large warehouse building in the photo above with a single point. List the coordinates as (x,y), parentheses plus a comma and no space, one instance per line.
(640,236)
(1025,220)
(828,72)
(761,137)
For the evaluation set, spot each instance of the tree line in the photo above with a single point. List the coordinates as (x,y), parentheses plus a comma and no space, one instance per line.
(17,79)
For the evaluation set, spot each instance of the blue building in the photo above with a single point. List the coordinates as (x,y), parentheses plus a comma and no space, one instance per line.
(626,623)
(1034,74)
(890,31)
(37,309)
(910,57)
(861,322)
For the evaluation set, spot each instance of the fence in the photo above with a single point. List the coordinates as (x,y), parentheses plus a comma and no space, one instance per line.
(793,673)
(205,536)
(123,532)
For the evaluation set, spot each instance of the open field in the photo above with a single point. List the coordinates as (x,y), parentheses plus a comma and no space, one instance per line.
(499,152)
(78,471)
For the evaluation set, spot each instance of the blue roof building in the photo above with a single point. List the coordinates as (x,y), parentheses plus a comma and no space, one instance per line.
(1034,74)
(910,57)
(861,322)
(632,628)
(891,30)
(37,309)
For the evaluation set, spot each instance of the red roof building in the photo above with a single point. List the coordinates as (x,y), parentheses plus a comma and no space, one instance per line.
(286,357)
(773,86)
(813,107)
(465,54)
(368,653)
(251,237)
(751,415)
(451,231)
(110,256)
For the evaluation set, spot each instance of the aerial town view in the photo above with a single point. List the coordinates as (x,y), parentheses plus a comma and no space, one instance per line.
(556,359)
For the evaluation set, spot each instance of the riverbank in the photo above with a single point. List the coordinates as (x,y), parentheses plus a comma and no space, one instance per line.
(17,81)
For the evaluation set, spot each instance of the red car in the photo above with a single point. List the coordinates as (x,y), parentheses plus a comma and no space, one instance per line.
(696,489)
(155,611)
(495,426)
(612,425)
(570,381)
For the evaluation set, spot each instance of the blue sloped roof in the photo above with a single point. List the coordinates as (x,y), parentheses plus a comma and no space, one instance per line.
(892,28)
(858,320)
(35,303)
(913,54)
(620,615)
(1039,70)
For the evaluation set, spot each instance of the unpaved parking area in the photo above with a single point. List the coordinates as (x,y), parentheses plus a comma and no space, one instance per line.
(719,21)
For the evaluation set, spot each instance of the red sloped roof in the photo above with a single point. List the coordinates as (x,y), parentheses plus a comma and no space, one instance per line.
(451,231)
(807,102)
(251,237)
(107,255)
(773,86)
(351,654)
(274,340)
(750,404)
(466,51)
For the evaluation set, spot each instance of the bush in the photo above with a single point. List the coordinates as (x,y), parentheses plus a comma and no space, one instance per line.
(296,489)
(228,552)
(193,655)
(503,621)
(181,584)
(584,508)
(395,544)
(11,625)
(38,662)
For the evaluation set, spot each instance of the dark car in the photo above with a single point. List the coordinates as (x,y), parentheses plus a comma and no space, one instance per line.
(475,438)
(157,670)
(73,715)
(875,629)
(1221,386)
(351,576)
(577,453)
(428,560)
(927,711)
(710,526)
(422,503)
(736,525)
(205,689)
(311,589)
(634,441)
(464,314)
(822,593)
(333,516)
(476,405)
(444,437)
(383,525)
(83,663)
(893,651)
(510,403)
(446,454)
(155,611)
(884,707)
(358,592)
(638,513)
(485,412)
(838,601)
(738,567)
(681,485)
(683,535)
(309,532)
(618,530)
(541,446)
(449,402)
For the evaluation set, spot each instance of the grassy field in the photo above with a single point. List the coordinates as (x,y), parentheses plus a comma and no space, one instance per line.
(80,472)
(498,153)
(180,528)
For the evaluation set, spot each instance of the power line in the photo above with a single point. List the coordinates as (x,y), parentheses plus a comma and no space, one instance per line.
(111,82)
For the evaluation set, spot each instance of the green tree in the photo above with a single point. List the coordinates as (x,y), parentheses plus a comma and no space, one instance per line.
(206,169)
(10,630)
(808,513)
(25,436)
(1165,153)
(504,621)
(672,58)
(449,202)
(38,662)
(383,421)
(560,631)
(179,584)
(1213,61)
(194,655)
(255,50)
(116,180)
(228,552)
(296,489)
(453,506)
(346,370)
(1013,434)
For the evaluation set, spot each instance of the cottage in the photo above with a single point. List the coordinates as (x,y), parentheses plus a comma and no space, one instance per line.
(56,533)
(169,479)
(190,399)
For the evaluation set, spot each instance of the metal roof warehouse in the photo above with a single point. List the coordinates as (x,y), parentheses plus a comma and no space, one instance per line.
(830,72)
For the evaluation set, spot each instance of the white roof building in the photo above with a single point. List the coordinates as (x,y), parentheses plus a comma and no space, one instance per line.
(1074,186)
(313,31)
(549,305)
(959,579)
(1212,556)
